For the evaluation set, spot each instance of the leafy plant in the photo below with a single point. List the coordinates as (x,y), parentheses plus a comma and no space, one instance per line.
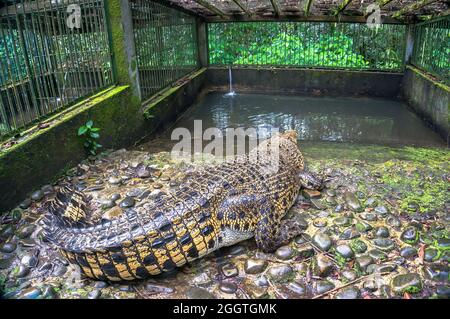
(90,135)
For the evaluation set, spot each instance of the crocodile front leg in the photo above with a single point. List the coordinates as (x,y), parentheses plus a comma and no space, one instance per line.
(270,234)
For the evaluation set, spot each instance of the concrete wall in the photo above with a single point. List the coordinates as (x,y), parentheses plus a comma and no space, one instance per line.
(44,154)
(429,99)
(305,81)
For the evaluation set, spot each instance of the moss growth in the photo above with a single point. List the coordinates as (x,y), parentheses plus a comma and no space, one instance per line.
(429,78)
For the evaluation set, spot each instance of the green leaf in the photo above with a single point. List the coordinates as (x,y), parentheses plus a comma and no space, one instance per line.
(89,123)
(95,129)
(82,130)
(94,135)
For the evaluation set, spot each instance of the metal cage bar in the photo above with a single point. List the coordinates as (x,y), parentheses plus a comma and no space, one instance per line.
(51,54)
(166,44)
(308,44)
(432,47)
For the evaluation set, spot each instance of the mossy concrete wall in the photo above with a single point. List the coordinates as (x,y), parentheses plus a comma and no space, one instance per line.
(164,108)
(42,154)
(428,98)
(309,82)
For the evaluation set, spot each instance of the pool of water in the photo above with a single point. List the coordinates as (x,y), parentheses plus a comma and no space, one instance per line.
(324,124)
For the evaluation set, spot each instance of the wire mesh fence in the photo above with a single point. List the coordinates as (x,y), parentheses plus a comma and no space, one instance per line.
(308,44)
(166,44)
(51,54)
(432,47)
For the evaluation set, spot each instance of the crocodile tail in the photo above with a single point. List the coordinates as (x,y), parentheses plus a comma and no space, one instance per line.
(69,208)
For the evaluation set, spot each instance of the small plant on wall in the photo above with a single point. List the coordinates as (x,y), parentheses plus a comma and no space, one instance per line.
(90,135)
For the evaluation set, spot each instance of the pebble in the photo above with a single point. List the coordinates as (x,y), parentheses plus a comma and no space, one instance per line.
(320,222)
(437,272)
(127,202)
(410,282)
(377,254)
(8,247)
(30,293)
(369,216)
(114,180)
(342,221)
(281,272)
(409,252)
(284,253)
(25,204)
(381,210)
(350,275)
(363,227)
(37,195)
(228,287)
(345,251)
(348,293)
(349,233)
(94,294)
(323,265)
(371,202)
(22,271)
(198,293)
(30,259)
(48,292)
(59,270)
(323,286)
(352,202)
(443,290)
(410,235)
(382,232)
(430,254)
(115,197)
(358,246)
(384,244)
(363,262)
(305,251)
(255,266)
(322,241)
(393,221)
(229,270)
(158,289)
(108,203)
(26,231)
(6,260)
(297,288)
(317,204)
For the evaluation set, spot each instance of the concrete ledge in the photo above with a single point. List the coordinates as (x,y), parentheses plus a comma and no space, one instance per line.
(308,81)
(164,108)
(429,98)
(43,154)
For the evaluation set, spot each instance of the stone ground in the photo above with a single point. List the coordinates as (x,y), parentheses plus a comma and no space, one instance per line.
(379,229)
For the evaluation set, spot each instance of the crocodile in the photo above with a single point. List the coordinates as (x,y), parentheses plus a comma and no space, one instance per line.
(223,204)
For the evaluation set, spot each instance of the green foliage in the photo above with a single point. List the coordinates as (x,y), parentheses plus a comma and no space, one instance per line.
(307,44)
(90,135)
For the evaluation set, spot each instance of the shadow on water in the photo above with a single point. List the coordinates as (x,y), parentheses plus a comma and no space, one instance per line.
(325,125)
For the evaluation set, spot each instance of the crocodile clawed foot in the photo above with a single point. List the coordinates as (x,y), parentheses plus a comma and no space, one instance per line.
(310,180)
(289,230)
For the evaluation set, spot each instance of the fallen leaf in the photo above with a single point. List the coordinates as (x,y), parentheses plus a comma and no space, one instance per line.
(406,295)
(421,253)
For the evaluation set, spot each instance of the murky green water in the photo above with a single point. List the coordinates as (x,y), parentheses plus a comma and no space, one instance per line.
(342,127)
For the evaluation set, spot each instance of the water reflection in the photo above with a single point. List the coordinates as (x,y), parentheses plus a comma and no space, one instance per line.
(354,120)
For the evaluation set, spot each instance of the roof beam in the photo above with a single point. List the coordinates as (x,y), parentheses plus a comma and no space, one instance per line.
(301,18)
(211,8)
(431,17)
(383,3)
(412,7)
(276,7)
(243,8)
(342,6)
(308,5)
